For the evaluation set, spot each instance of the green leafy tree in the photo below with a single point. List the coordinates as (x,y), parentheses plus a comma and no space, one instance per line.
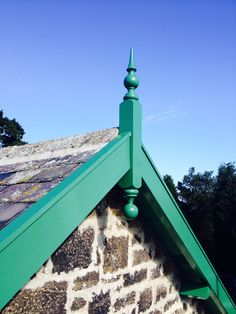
(196,193)
(171,186)
(11,132)
(209,204)
(225,223)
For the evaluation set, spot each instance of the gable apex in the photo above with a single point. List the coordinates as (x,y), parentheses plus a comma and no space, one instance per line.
(122,162)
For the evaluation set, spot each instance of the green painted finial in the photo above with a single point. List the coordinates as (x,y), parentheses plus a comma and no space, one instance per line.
(131,65)
(130,210)
(131,81)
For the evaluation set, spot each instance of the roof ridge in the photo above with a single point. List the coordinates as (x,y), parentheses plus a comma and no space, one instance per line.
(60,147)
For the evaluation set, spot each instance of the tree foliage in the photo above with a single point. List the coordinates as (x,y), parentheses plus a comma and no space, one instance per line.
(11,132)
(196,194)
(171,186)
(209,205)
(225,220)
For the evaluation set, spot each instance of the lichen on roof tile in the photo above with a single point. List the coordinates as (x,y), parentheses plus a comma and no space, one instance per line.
(30,171)
(59,147)
(17,177)
(33,192)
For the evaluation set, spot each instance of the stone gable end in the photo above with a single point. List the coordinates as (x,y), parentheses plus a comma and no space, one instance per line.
(107,265)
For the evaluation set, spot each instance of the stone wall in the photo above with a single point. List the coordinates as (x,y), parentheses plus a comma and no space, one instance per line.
(107,265)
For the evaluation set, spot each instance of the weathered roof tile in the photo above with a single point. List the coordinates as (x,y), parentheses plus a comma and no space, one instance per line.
(28,172)
(34,191)
(52,173)
(9,210)
(18,177)
(5,176)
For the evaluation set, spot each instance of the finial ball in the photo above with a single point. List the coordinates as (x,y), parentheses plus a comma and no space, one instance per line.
(131,81)
(130,211)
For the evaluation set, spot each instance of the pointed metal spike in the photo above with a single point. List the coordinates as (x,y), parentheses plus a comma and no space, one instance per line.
(131,65)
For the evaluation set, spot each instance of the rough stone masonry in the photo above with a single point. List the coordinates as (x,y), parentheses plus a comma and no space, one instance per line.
(107,265)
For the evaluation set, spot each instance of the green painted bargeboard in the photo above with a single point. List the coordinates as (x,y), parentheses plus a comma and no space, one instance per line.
(30,240)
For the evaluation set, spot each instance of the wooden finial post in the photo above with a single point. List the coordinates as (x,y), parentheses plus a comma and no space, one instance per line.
(131,122)
(131,81)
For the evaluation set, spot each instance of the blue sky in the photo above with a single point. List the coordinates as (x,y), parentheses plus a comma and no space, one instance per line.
(62,65)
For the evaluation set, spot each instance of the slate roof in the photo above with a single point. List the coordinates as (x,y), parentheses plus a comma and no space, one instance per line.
(28,172)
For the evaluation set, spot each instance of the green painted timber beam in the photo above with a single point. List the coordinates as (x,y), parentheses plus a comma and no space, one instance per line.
(27,242)
(205,293)
(163,209)
(200,293)
(130,121)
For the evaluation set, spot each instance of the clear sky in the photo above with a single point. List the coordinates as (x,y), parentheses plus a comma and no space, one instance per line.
(62,64)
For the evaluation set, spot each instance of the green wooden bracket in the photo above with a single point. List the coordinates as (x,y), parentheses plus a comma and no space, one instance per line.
(214,301)
(200,293)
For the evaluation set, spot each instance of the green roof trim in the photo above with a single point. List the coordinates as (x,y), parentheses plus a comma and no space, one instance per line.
(28,241)
(166,217)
